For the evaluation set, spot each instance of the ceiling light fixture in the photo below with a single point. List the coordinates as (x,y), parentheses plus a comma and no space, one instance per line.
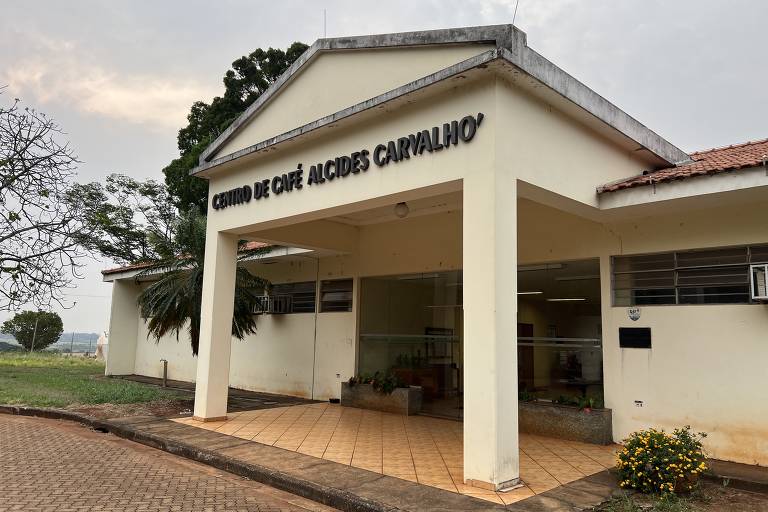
(548,266)
(402,210)
(567,300)
(577,278)
(535,292)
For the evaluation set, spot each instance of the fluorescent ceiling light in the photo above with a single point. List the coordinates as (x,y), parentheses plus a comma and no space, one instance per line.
(576,278)
(548,266)
(417,277)
(530,293)
(575,299)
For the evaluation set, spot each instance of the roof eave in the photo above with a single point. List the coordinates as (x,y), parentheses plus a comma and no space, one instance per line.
(526,60)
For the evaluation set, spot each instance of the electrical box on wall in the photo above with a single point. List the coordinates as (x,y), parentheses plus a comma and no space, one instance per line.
(635,337)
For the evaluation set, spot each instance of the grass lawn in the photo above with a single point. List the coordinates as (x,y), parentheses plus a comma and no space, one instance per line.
(55,380)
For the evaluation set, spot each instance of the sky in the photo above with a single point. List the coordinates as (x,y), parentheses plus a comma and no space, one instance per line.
(120,76)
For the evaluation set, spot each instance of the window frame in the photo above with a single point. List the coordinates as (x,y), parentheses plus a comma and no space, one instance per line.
(676,270)
(269,294)
(351,291)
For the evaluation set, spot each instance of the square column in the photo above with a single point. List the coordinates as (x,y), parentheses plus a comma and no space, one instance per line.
(217,308)
(123,328)
(491,451)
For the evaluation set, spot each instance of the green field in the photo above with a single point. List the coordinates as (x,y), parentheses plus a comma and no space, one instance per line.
(55,380)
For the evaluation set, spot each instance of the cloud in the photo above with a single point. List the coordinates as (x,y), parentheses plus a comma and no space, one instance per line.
(58,72)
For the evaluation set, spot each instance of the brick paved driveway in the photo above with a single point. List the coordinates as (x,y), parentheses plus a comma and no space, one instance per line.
(59,466)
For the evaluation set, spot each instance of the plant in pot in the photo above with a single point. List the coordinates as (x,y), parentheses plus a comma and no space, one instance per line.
(584,403)
(383,383)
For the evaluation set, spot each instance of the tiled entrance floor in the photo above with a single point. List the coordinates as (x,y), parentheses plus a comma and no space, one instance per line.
(417,448)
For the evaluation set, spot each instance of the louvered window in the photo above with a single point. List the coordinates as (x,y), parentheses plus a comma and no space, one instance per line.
(336,295)
(706,276)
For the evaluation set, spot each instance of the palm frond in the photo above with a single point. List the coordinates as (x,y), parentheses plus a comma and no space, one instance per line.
(172,303)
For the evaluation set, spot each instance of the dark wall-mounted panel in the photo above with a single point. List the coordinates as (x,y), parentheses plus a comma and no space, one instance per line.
(635,337)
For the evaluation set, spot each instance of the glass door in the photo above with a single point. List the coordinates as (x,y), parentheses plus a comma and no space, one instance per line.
(412,327)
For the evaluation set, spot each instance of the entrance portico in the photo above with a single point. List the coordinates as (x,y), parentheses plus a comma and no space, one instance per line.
(487,257)
(478,128)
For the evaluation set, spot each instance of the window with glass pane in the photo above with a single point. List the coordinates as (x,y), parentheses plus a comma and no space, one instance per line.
(300,296)
(647,279)
(706,276)
(336,295)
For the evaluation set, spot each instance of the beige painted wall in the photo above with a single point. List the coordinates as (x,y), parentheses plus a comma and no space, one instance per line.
(707,365)
(339,79)
(545,147)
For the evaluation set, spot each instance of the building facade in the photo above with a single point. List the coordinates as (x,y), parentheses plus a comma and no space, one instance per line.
(451,207)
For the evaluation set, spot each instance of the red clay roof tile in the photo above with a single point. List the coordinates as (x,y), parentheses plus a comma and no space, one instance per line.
(708,162)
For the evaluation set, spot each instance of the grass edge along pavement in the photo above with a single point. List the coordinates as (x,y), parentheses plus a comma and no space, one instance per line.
(45,379)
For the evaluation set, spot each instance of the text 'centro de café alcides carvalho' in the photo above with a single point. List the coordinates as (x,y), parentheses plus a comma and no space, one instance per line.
(344,166)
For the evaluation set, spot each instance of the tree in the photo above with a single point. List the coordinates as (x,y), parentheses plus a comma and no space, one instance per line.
(34,330)
(40,224)
(173,302)
(249,77)
(124,216)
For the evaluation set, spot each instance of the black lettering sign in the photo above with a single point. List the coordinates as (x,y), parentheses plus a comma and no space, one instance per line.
(343,166)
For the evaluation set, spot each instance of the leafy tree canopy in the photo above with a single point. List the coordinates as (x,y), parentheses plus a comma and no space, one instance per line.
(126,218)
(34,330)
(249,77)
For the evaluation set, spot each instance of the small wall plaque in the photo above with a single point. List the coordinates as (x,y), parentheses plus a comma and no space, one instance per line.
(633,313)
(635,337)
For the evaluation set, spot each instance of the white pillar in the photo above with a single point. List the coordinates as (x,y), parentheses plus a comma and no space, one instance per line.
(217,307)
(123,328)
(491,453)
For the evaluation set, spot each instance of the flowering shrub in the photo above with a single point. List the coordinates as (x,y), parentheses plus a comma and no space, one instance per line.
(654,461)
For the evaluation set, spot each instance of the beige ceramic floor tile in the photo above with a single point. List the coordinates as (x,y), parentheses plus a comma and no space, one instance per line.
(415,448)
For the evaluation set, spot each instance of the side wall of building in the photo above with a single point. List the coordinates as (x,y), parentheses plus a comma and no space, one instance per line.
(706,367)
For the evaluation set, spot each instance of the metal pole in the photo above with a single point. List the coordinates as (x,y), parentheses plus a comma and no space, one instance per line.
(71,342)
(34,334)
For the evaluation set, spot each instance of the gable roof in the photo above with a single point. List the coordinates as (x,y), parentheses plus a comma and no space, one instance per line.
(510,48)
(703,163)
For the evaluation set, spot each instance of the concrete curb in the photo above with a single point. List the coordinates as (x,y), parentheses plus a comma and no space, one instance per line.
(330,496)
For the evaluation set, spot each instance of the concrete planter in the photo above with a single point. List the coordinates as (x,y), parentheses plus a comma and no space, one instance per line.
(405,401)
(566,422)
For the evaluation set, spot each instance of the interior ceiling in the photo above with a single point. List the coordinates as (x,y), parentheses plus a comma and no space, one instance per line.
(417,207)
(566,280)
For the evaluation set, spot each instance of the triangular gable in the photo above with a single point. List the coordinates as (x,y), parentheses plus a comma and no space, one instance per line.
(339,78)
(336,80)
(336,73)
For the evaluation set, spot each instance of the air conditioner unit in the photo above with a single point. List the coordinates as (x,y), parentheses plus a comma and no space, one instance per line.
(758,281)
(279,304)
(261,306)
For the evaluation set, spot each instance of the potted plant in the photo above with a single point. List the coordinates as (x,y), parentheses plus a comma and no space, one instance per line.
(381,392)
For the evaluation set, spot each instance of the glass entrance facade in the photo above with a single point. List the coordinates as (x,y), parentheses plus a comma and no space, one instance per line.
(411,326)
